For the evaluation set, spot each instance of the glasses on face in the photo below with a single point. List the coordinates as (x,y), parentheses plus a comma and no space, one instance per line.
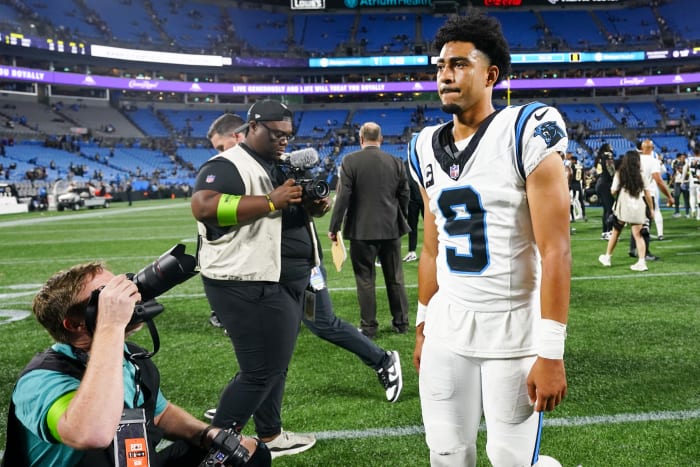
(276,136)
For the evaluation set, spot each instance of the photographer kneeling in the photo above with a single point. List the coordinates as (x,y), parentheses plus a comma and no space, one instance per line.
(93,399)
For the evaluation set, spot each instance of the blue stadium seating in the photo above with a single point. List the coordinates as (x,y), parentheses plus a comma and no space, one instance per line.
(317,123)
(322,34)
(128,21)
(9,17)
(387,33)
(635,114)
(576,27)
(394,122)
(190,24)
(68,19)
(680,17)
(588,114)
(521,28)
(148,122)
(261,29)
(199,121)
(669,144)
(630,26)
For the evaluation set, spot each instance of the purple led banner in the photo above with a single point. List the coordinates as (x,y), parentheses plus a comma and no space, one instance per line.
(623,82)
(107,82)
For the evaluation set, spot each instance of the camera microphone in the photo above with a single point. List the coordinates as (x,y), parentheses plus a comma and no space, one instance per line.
(301,158)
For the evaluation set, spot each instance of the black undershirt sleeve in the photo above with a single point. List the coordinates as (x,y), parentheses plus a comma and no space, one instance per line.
(222,176)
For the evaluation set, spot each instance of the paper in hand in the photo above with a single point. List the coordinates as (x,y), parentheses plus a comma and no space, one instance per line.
(338,251)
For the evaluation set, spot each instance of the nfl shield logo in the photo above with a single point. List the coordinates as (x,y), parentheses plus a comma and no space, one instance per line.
(210,178)
(454,172)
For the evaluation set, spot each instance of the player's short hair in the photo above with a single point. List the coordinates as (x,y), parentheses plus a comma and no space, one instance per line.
(484,32)
(224,124)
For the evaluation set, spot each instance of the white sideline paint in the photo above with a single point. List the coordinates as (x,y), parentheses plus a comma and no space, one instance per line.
(570,422)
(103,213)
(548,422)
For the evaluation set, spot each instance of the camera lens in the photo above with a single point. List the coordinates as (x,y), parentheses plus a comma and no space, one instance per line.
(317,189)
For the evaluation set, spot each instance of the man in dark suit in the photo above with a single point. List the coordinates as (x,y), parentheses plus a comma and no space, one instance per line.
(372,200)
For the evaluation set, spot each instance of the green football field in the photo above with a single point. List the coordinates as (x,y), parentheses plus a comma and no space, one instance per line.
(633,351)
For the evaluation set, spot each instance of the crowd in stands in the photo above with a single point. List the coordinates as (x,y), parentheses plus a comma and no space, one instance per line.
(228,30)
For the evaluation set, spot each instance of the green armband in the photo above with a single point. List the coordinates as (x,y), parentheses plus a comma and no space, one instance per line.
(56,411)
(227,210)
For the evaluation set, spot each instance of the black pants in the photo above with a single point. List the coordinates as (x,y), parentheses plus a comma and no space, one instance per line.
(362,254)
(606,201)
(415,210)
(681,189)
(329,327)
(262,320)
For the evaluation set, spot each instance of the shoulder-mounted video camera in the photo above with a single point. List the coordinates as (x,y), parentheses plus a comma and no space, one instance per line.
(172,268)
(294,165)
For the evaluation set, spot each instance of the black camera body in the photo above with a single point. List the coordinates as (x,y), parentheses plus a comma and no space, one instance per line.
(226,450)
(294,166)
(313,188)
(172,268)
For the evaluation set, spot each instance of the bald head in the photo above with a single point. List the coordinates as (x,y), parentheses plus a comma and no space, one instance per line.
(647,146)
(370,135)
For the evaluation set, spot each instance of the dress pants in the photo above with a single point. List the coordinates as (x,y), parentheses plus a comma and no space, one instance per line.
(362,254)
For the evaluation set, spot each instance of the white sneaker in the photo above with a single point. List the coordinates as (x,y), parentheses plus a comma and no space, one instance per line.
(547,461)
(209,414)
(288,443)
(391,377)
(410,257)
(639,266)
(604,260)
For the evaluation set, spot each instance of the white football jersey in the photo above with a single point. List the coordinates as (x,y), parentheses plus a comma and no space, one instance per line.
(650,166)
(488,266)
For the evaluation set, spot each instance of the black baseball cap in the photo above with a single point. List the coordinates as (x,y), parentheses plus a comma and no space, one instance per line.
(267,110)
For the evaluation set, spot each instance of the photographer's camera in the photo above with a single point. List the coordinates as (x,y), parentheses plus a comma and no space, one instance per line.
(314,189)
(226,450)
(172,268)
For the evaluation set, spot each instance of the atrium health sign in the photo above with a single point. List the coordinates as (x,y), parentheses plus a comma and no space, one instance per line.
(386,3)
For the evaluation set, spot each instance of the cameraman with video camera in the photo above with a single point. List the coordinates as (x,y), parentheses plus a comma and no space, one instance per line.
(93,399)
(256,253)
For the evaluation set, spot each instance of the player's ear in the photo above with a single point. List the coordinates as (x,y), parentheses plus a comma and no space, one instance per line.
(491,75)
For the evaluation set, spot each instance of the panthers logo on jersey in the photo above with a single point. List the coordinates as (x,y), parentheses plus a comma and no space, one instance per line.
(550,132)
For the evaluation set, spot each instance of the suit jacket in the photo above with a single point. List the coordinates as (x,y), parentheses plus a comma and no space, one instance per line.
(372,196)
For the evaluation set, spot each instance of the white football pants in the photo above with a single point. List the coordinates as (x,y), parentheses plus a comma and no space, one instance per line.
(453,391)
(658,217)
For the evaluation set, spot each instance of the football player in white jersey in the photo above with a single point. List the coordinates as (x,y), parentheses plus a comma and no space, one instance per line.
(494,275)
(651,172)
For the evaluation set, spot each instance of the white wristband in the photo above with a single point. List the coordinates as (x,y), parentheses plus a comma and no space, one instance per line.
(552,338)
(420,313)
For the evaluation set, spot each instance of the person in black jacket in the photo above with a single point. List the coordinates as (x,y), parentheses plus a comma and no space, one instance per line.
(604,165)
(415,212)
(67,406)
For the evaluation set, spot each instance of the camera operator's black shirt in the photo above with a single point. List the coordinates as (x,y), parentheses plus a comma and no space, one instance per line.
(297,247)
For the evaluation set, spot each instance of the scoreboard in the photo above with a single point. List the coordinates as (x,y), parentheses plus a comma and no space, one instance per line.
(50,44)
